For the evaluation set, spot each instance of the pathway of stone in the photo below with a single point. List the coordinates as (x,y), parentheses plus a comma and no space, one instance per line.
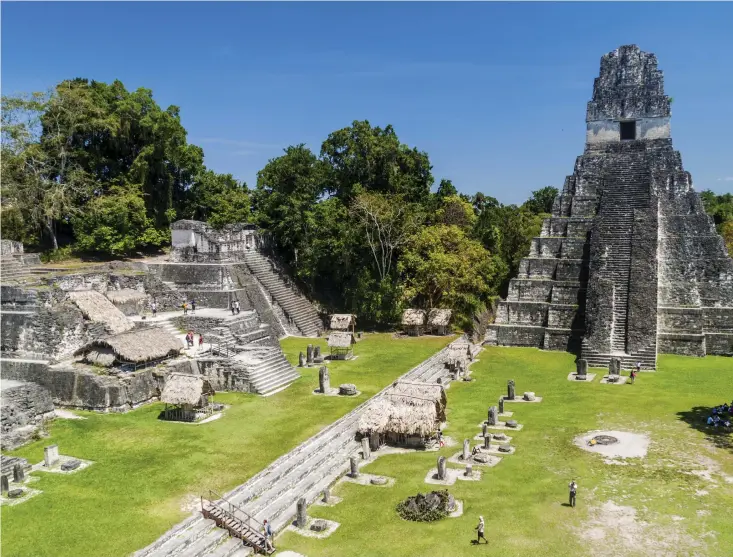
(273,493)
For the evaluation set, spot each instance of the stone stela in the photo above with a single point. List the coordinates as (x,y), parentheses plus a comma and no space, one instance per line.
(629,264)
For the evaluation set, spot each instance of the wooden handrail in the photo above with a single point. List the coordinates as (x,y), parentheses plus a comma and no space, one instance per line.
(234,506)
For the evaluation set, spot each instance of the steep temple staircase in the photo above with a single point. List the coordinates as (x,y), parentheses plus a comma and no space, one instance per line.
(626,188)
(296,306)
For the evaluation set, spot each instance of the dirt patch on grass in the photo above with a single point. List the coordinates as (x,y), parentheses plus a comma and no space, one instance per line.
(616,531)
(626,445)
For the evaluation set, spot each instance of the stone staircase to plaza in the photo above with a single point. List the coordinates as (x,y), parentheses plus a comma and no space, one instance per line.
(268,371)
(305,471)
(295,306)
(12,270)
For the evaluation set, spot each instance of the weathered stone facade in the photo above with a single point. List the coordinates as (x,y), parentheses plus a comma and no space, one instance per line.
(629,264)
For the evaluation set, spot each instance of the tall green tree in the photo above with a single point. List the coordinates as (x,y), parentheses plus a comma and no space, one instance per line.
(365,158)
(218,199)
(541,200)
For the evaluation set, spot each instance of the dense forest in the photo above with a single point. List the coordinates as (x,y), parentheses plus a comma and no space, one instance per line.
(92,168)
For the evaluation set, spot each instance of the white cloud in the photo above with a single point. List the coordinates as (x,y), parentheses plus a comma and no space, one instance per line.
(726,179)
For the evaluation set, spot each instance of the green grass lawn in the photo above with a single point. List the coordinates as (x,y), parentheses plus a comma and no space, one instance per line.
(682,492)
(145,469)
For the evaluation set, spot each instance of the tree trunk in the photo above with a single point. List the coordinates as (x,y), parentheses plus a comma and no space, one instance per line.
(49,229)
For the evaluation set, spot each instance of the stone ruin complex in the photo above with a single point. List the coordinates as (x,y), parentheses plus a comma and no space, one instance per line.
(629,264)
(87,339)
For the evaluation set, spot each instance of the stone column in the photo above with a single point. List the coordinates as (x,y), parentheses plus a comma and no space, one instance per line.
(18,474)
(374,441)
(4,484)
(510,389)
(441,468)
(485,430)
(501,405)
(302,513)
(301,360)
(354,468)
(50,455)
(466,449)
(493,416)
(614,366)
(324,381)
(326,495)
(582,368)
(469,471)
(487,441)
(309,353)
(365,450)
(317,354)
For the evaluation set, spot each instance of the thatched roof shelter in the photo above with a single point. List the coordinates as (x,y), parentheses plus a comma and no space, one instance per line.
(406,408)
(184,388)
(95,307)
(125,296)
(413,317)
(439,317)
(342,321)
(138,346)
(341,340)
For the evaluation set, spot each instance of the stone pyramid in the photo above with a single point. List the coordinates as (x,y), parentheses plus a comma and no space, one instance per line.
(629,264)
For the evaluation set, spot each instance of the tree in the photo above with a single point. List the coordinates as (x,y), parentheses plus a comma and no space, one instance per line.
(117,224)
(372,159)
(541,200)
(288,190)
(442,267)
(218,199)
(387,221)
(456,211)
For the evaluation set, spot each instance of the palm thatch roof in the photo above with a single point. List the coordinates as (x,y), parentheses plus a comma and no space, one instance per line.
(439,317)
(342,321)
(413,317)
(126,295)
(95,307)
(341,340)
(406,408)
(101,356)
(140,345)
(184,388)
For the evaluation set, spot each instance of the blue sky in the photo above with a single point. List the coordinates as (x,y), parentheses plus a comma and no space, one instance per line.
(494,92)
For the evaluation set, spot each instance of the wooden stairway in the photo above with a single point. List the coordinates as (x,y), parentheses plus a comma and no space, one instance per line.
(238,523)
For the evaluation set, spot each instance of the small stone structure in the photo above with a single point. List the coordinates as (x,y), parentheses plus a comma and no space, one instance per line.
(324,380)
(510,389)
(529,396)
(501,405)
(493,416)
(442,470)
(302,515)
(4,484)
(466,455)
(317,356)
(347,389)
(195,241)
(186,397)
(309,355)
(51,456)
(582,368)
(301,360)
(614,366)
(354,467)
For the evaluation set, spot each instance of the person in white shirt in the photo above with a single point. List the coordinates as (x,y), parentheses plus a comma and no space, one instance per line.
(480,529)
(573,491)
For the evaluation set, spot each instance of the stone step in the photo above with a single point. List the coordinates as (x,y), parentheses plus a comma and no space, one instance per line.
(205,544)
(180,542)
(229,548)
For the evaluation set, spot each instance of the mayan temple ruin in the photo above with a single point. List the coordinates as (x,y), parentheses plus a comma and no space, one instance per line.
(629,265)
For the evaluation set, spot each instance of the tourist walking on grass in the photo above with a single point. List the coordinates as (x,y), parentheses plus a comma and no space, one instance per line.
(236,305)
(154,308)
(193,306)
(480,528)
(633,376)
(638,367)
(185,308)
(201,342)
(573,492)
(232,306)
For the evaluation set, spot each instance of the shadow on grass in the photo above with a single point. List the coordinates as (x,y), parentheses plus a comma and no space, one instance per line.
(697,417)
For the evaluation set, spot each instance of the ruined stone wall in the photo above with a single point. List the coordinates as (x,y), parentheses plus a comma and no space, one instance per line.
(24,407)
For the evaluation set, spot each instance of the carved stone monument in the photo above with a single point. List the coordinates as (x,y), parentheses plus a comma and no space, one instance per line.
(326,495)
(324,380)
(501,405)
(493,416)
(485,429)
(441,468)
(4,484)
(374,441)
(469,471)
(510,389)
(365,450)
(18,474)
(529,396)
(581,369)
(317,358)
(354,467)
(487,441)
(614,366)
(301,360)
(347,389)
(466,449)
(302,517)
(50,455)
(309,354)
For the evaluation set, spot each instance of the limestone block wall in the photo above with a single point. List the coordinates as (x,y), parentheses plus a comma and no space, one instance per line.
(24,407)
